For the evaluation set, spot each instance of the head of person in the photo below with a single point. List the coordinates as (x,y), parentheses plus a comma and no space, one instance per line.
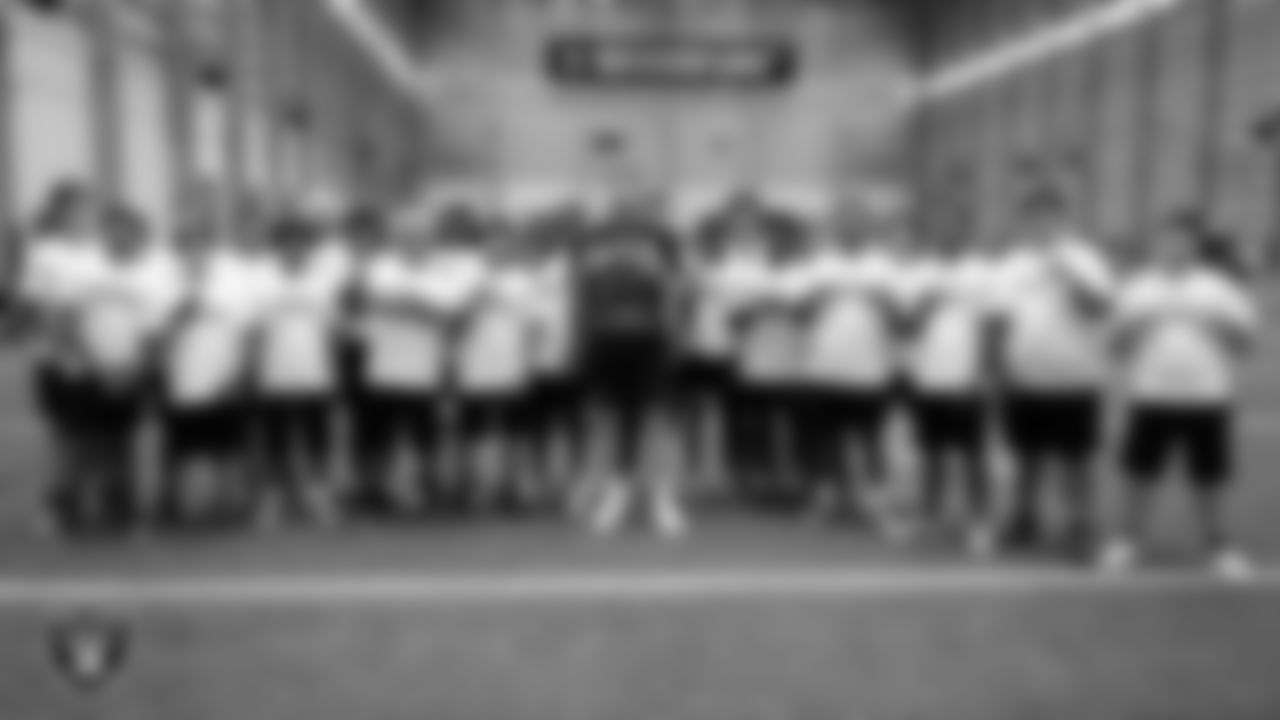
(363,230)
(1188,239)
(1044,217)
(67,210)
(461,227)
(125,232)
(292,238)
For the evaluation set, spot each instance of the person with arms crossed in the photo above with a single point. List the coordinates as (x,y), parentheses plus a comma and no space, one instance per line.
(1056,292)
(60,256)
(126,309)
(851,365)
(296,374)
(1184,326)
(207,379)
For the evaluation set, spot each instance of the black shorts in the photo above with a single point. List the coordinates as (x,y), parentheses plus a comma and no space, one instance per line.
(291,424)
(386,419)
(861,412)
(1056,425)
(629,370)
(58,396)
(705,376)
(1195,441)
(217,430)
(480,414)
(951,422)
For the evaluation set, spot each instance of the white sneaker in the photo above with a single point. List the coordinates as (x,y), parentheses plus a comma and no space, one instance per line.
(610,510)
(1232,565)
(1119,557)
(669,518)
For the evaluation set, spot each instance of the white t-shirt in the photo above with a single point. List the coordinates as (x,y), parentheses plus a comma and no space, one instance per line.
(714,305)
(496,348)
(949,348)
(553,318)
(453,280)
(403,343)
(851,339)
(126,307)
(211,351)
(771,314)
(1178,321)
(1055,302)
(55,277)
(302,308)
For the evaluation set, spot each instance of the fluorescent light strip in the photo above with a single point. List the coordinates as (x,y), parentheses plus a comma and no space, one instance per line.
(1041,45)
(370,33)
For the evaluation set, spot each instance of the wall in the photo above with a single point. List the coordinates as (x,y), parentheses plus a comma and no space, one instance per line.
(1135,122)
(275,72)
(496,115)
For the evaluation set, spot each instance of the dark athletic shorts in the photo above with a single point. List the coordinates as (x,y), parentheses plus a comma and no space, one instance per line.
(1057,425)
(1194,441)
(952,422)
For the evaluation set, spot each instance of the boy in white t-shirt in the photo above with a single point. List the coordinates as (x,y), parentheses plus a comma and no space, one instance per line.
(949,363)
(555,403)
(127,309)
(1056,292)
(770,321)
(453,277)
(207,376)
(296,369)
(495,372)
(402,370)
(59,258)
(1184,326)
(851,366)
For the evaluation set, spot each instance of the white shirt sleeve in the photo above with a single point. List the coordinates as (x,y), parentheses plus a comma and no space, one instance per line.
(1139,300)
(1230,303)
(1084,265)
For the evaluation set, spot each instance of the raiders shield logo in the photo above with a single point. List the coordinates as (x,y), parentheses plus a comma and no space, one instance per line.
(88,650)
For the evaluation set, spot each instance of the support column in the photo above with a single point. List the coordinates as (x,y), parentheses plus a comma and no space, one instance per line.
(239,58)
(1149,67)
(1219,57)
(179,79)
(104,101)
(10,247)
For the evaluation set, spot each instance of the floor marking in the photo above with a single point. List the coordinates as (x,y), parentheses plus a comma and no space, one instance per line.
(639,587)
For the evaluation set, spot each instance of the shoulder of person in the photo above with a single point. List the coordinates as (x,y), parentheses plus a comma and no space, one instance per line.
(1216,290)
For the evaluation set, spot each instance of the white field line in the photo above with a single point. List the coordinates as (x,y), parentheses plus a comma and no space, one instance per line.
(588,588)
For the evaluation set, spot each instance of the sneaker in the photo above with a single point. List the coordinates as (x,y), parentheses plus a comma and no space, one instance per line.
(669,518)
(1233,566)
(1119,557)
(610,510)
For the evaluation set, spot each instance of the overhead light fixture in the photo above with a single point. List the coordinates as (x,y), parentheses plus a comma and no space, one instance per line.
(1064,36)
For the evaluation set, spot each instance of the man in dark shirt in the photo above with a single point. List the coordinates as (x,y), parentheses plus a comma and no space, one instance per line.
(630,307)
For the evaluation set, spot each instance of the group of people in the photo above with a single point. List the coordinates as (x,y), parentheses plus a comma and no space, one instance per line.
(605,362)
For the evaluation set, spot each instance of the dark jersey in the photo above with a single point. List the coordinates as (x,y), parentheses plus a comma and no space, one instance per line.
(628,284)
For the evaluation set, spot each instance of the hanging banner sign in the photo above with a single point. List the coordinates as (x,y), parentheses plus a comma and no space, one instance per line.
(672,62)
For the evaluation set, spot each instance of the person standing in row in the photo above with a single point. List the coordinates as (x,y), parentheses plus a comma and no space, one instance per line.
(297,374)
(630,313)
(127,307)
(494,374)
(207,378)
(1056,295)
(1184,327)
(403,361)
(61,254)
(950,363)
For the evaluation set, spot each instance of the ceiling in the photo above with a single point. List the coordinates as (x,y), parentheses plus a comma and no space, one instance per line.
(420,23)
